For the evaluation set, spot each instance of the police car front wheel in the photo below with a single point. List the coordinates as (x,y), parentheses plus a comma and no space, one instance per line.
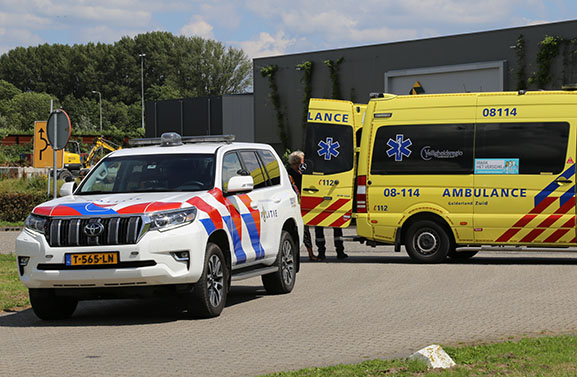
(48,306)
(209,295)
(427,242)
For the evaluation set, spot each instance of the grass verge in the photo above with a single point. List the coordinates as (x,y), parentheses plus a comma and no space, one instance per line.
(543,356)
(11,224)
(12,293)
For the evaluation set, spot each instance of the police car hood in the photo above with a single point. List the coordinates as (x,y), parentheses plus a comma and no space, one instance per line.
(116,204)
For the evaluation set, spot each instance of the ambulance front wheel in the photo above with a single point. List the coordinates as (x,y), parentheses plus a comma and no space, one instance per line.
(427,242)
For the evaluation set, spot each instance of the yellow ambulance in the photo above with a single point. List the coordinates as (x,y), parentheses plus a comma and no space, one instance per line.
(437,173)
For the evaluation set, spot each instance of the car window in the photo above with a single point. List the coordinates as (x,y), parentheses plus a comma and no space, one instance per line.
(328,148)
(271,166)
(230,167)
(151,173)
(253,166)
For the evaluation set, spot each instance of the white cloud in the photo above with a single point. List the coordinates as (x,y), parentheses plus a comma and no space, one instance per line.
(22,20)
(105,34)
(334,24)
(266,45)
(198,27)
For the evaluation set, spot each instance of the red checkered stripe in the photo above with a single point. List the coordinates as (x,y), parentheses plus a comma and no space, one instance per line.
(544,225)
(328,217)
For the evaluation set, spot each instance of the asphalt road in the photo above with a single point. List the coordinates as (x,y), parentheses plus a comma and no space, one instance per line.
(375,304)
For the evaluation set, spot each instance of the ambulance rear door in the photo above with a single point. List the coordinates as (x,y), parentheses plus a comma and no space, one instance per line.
(329,168)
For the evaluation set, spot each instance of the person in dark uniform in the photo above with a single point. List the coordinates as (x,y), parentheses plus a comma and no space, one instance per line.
(295,159)
(321,242)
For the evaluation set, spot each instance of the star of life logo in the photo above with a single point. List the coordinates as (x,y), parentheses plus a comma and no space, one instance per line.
(399,147)
(328,148)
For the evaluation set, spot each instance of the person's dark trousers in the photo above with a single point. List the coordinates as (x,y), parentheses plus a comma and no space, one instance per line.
(321,242)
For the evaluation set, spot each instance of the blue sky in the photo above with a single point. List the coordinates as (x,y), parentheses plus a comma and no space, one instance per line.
(268,27)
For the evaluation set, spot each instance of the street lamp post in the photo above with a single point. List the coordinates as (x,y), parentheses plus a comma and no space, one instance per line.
(99,107)
(142,83)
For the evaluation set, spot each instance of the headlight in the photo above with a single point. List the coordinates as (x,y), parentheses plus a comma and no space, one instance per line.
(35,223)
(171,219)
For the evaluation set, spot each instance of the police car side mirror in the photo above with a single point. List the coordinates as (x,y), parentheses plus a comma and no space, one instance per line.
(240,183)
(67,188)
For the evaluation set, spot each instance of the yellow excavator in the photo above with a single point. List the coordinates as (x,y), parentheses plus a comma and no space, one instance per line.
(75,166)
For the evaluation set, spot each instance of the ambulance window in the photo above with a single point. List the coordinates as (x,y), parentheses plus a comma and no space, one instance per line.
(253,166)
(540,147)
(230,167)
(423,149)
(328,148)
(271,166)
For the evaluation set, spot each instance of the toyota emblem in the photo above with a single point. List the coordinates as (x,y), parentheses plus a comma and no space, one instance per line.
(93,229)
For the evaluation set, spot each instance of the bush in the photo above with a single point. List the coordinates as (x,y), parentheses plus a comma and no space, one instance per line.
(25,184)
(15,207)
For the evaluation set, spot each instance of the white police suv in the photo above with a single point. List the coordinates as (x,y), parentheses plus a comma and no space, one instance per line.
(181,216)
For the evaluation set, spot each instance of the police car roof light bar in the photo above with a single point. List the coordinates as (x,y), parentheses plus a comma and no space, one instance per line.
(208,139)
(174,139)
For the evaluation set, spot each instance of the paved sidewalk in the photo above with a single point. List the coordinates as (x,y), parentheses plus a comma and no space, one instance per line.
(375,304)
(7,241)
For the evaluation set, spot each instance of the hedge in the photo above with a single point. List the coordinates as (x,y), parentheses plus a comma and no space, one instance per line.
(15,207)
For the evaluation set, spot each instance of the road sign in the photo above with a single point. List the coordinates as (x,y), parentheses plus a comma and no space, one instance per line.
(58,129)
(43,152)
(417,88)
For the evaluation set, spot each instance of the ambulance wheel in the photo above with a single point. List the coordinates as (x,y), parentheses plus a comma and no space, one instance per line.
(283,280)
(427,242)
(208,297)
(47,306)
(467,254)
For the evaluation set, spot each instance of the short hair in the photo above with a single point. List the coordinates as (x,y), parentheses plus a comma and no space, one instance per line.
(296,157)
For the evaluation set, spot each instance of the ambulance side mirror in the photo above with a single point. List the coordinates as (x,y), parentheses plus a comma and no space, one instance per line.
(240,183)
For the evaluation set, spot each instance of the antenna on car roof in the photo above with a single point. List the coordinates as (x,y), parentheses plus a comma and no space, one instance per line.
(169,139)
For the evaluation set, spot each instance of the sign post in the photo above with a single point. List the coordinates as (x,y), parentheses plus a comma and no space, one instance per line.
(58,131)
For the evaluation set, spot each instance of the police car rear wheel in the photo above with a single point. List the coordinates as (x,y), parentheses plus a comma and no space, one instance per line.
(209,295)
(47,306)
(283,280)
(427,242)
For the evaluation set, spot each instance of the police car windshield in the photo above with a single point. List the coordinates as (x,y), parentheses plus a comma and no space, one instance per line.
(151,173)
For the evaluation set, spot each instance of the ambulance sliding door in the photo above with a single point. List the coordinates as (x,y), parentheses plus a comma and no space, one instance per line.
(328,170)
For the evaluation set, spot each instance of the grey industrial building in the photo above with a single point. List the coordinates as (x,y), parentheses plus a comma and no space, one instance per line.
(498,60)
(485,61)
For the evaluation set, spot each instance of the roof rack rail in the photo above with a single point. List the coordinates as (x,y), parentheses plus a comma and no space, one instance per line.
(173,139)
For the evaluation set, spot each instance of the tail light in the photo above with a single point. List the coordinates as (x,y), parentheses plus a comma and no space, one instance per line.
(362,194)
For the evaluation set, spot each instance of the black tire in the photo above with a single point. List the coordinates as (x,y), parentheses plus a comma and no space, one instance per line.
(65,174)
(427,242)
(283,280)
(467,254)
(47,306)
(208,297)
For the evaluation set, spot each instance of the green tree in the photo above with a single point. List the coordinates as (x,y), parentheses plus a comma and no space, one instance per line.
(7,90)
(174,67)
(25,108)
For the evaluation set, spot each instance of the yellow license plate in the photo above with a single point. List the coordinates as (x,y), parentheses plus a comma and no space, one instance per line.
(91,259)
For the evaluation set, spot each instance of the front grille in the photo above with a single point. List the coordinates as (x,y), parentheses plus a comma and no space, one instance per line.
(70,232)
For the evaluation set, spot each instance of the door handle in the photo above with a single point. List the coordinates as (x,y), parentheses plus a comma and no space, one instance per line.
(562,180)
(327,198)
(311,189)
(254,205)
(276,201)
